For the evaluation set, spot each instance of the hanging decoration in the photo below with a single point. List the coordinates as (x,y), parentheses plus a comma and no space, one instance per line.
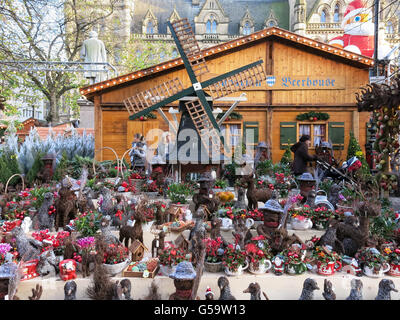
(313,116)
(150,115)
(233,116)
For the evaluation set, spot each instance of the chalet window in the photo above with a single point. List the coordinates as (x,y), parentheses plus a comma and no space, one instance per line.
(251,132)
(336,15)
(317,132)
(231,132)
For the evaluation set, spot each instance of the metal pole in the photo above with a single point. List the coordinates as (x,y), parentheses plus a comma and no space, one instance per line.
(376,8)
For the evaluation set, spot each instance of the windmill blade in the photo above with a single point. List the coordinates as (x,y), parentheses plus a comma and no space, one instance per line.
(145,99)
(246,78)
(208,134)
(190,46)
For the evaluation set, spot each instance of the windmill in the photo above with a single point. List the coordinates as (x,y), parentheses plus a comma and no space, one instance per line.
(198,111)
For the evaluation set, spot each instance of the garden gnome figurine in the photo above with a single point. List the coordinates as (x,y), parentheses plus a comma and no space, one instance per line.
(278,265)
(307,183)
(93,50)
(272,212)
(183,276)
(209,294)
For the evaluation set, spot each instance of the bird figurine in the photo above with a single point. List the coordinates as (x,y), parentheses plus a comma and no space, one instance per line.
(385,287)
(70,290)
(356,290)
(255,291)
(209,294)
(223,284)
(309,286)
(328,293)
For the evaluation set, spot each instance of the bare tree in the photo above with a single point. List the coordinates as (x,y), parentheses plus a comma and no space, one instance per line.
(48,30)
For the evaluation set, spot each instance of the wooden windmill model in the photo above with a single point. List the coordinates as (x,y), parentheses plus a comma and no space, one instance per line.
(199,110)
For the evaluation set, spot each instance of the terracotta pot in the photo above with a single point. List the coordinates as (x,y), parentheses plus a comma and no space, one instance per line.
(296,268)
(261,268)
(372,273)
(394,270)
(213,267)
(114,269)
(238,272)
(328,269)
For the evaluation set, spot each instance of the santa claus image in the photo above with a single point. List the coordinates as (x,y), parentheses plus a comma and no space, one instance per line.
(358,29)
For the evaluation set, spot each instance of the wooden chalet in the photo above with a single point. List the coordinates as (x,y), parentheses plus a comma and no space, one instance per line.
(303,75)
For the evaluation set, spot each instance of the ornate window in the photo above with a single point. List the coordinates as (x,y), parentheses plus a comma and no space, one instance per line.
(336,14)
(150,28)
(149,23)
(211,25)
(323,16)
(389,27)
(246,28)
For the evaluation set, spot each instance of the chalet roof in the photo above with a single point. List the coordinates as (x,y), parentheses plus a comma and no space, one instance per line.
(136,245)
(319,48)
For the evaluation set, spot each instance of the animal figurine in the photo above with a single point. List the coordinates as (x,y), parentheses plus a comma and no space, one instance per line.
(333,196)
(241,233)
(36,292)
(45,217)
(88,258)
(70,290)
(126,289)
(47,264)
(159,214)
(240,203)
(26,224)
(280,240)
(106,206)
(158,244)
(121,217)
(134,232)
(309,286)
(329,237)
(328,293)
(28,248)
(216,230)
(209,294)
(223,285)
(255,195)
(197,235)
(356,290)
(385,287)
(105,227)
(65,204)
(153,292)
(311,199)
(255,291)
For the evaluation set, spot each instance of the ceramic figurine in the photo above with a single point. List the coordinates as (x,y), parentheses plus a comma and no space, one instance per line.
(67,269)
(278,265)
(209,294)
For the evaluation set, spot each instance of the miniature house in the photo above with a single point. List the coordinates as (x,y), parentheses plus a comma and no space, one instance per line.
(137,249)
(182,242)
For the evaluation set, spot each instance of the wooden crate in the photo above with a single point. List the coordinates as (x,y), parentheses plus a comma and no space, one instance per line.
(135,274)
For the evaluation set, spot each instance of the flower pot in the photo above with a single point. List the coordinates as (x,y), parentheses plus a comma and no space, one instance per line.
(296,268)
(114,269)
(238,272)
(301,224)
(167,270)
(376,273)
(328,269)
(227,224)
(260,267)
(213,266)
(394,270)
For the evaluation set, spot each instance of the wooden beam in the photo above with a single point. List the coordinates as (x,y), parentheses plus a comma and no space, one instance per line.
(356,124)
(98,128)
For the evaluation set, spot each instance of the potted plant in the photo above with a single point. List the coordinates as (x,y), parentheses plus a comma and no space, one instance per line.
(234,260)
(219,185)
(87,223)
(116,258)
(327,261)
(259,255)
(320,217)
(169,259)
(4,250)
(230,173)
(150,188)
(300,218)
(178,194)
(214,254)
(294,259)
(393,256)
(373,263)
(84,245)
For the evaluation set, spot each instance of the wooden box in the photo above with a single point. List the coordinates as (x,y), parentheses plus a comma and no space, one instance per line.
(135,274)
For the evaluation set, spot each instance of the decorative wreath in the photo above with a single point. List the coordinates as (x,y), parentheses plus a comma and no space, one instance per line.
(312,116)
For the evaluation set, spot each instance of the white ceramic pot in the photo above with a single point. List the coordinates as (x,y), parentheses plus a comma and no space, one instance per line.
(370,272)
(304,224)
(114,269)
(394,270)
(226,224)
(238,272)
(262,267)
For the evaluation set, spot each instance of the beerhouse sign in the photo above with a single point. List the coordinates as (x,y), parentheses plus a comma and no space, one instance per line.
(285,82)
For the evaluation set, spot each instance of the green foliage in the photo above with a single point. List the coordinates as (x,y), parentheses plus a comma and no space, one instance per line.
(222,184)
(77,163)
(112,172)
(8,167)
(37,166)
(326,185)
(87,224)
(178,192)
(287,155)
(38,193)
(354,150)
(61,168)
(264,167)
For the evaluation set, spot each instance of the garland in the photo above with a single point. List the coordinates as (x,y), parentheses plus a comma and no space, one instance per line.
(233,116)
(313,116)
(150,115)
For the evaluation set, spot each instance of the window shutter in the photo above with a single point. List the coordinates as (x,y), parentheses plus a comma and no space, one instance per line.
(288,134)
(247,126)
(336,135)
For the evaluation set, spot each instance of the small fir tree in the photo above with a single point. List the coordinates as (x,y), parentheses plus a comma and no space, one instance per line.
(354,150)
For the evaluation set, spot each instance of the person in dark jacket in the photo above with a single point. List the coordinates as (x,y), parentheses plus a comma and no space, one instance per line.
(301,156)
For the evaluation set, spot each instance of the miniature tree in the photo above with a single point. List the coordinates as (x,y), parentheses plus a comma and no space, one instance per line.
(287,155)
(354,150)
